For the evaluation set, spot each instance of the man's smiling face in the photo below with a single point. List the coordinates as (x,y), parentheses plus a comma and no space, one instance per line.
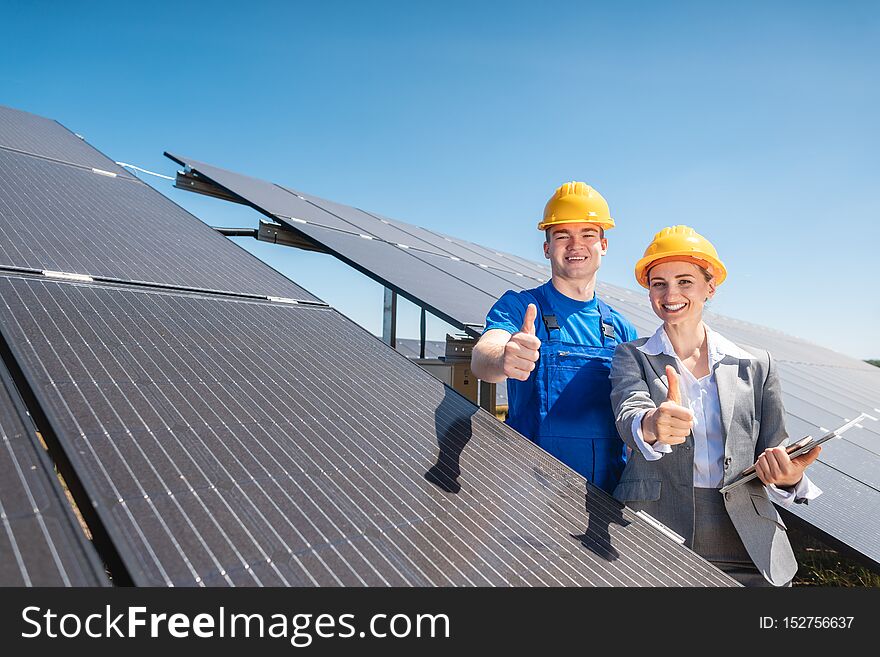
(575,250)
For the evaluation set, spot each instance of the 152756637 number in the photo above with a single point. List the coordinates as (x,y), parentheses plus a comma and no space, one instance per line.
(817,622)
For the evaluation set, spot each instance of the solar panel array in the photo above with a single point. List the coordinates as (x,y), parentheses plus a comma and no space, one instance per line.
(219,465)
(218,438)
(41,543)
(822,389)
(455,280)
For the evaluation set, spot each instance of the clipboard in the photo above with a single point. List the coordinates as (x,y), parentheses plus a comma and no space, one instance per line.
(802,446)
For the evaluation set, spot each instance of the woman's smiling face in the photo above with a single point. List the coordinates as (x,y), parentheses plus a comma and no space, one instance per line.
(678,291)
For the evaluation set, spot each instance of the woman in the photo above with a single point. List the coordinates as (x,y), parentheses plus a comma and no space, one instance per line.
(697,410)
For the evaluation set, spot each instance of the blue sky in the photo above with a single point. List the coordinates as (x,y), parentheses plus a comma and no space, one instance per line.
(756,123)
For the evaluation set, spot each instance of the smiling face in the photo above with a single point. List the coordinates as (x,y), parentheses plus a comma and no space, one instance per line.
(575,250)
(678,291)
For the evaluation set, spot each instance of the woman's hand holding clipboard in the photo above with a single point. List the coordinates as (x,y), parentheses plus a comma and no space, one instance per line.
(799,448)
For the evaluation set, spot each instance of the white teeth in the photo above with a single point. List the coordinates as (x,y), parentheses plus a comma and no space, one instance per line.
(575,258)
(673,307)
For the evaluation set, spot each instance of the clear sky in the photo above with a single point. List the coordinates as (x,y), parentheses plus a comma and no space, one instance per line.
(756,123)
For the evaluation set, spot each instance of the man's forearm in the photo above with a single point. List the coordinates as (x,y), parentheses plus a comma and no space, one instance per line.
(487,362)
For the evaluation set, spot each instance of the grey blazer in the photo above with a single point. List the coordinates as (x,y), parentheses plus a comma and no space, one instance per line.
(753,418)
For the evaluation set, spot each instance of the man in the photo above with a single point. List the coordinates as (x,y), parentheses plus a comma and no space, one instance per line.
(554,343)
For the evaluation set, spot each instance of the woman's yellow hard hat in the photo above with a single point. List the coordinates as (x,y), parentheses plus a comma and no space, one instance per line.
(680,243)
(576,202)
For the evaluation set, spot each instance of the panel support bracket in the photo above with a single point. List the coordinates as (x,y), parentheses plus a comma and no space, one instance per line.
(276,234)
(191,181)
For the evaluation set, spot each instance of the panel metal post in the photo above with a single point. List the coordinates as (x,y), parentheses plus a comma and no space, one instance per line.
(423,330)
(487,396)
(389,318)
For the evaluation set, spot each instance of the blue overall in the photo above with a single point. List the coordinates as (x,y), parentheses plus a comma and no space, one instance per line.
(565,405)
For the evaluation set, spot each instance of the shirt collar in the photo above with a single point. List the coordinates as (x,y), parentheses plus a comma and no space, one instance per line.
(719,346)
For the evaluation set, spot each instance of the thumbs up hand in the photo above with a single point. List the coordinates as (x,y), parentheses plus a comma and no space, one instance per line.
(521,351)
(670,423)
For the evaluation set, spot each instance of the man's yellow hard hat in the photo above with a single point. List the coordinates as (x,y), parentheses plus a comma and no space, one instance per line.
(681,243)
(576,202)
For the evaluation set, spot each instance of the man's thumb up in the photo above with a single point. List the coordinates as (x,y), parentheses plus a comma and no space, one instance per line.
(672,377)
(521,351)
(528,325)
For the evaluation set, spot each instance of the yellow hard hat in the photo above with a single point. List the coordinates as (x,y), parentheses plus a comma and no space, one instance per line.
(576,202)
(681,243)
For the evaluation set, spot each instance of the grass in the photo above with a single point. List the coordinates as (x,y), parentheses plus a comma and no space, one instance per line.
(70,500)
(821,565)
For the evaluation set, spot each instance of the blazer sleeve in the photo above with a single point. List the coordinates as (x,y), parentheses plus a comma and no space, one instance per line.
(629,391)
(772,421)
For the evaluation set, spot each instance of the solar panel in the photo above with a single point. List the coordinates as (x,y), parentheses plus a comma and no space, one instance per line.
(68,219)
(450,297)
(41,543)
(449,255)
(454,283)
(474,252)
(300,210)
(45,138)
(846,517)
(821,388)
(234,441)
(853,386)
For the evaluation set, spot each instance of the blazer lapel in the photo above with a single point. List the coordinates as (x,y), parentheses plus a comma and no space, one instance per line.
(658,364)
(725,378)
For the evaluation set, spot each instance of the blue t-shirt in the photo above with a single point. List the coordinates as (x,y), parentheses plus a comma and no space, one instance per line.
(579,321)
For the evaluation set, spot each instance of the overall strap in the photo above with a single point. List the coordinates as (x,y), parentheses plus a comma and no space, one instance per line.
(546,312)
(609,337)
